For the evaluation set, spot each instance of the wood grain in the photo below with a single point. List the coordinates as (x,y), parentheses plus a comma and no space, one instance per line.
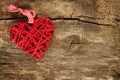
(86,43)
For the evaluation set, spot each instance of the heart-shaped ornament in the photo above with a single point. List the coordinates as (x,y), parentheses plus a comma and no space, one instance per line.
(34,38)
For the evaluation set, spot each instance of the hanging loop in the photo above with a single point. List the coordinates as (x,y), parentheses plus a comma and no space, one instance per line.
(29,13)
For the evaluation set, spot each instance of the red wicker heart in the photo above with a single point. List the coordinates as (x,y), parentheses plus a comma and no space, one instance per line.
(33,38)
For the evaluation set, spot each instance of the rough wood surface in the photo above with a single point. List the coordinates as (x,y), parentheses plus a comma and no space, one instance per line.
(86,43)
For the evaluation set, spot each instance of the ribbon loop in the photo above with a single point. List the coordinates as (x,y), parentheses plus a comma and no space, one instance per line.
(29,13)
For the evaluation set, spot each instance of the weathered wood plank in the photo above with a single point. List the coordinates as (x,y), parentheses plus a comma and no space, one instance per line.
(86,44)
(96,11)
(78,51)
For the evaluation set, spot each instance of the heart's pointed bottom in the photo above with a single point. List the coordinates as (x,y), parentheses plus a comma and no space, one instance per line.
(33,39)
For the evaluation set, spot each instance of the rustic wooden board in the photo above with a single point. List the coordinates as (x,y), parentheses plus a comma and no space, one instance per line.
(86,43)
(97,11)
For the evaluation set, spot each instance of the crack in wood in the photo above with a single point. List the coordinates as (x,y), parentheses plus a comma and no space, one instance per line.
(78,19)
(89,17)
(85,21)
(118,20)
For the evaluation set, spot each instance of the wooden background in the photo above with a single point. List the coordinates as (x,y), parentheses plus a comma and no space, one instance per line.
(86,43)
